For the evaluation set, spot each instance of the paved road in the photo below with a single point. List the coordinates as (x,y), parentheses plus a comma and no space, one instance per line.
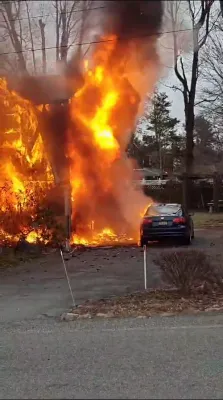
(149,359)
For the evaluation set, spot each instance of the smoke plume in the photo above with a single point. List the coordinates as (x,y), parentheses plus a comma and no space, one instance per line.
(129,57)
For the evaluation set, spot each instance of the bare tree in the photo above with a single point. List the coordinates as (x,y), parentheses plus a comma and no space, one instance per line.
(212,98)
(221,6)
(43,45)
(10,12)
(31,35)
(23,34)
(212,74)
(83,26)
(199,13)
(58,23)
(67,21)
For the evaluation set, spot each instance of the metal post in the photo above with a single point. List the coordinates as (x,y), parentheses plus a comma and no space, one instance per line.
(68,280)
(67,212)
(145,267)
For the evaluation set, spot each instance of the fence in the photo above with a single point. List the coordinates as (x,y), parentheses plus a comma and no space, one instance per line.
(201,193)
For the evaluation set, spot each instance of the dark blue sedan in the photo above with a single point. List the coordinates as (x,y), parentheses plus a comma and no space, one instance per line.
(162,221)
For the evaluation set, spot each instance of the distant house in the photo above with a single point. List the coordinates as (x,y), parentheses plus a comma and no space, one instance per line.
(152,173)
(150,177)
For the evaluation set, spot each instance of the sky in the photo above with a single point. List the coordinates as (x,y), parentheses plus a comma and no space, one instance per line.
(185,40)
(165,49)
(176,97)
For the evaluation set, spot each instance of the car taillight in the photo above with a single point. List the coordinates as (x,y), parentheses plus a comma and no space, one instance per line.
(147,221)
(179,220)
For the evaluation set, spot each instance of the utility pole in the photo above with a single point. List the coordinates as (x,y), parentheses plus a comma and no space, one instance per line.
(60,164)
(66,187)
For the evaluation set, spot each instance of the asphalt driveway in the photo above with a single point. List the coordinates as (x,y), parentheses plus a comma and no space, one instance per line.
(39,289)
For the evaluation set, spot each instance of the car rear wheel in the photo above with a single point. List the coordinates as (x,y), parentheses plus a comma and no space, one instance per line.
(143,241)
(187,240)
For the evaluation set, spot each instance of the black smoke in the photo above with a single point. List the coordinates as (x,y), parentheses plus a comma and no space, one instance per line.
(133,19)
(138,20)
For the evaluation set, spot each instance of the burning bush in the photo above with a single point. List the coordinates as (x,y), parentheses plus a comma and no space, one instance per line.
(33,220)
(187,269)
(25,173)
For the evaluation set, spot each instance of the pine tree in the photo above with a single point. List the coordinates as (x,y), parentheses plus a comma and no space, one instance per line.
(160,128)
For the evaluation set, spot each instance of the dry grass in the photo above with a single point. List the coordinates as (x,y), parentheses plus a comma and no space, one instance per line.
(9,258)
(148,304)
(205,220)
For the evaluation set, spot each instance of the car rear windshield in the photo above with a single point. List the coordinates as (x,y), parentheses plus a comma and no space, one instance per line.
(166,209)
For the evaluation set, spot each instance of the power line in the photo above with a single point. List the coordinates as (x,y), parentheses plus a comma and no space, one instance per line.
(51,15)
(95,42)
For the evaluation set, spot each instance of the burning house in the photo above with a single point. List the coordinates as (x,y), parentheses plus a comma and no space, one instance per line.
(80,138)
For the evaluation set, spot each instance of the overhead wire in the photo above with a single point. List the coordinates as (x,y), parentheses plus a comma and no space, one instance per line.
(97,41)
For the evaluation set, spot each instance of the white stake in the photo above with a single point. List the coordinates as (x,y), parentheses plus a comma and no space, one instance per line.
(68,280)
(145,268)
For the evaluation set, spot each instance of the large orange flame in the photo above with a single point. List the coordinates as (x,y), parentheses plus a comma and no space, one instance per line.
(103,113)
(24,169)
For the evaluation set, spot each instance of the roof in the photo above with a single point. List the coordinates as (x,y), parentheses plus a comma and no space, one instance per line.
(45,89)
(150,171)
